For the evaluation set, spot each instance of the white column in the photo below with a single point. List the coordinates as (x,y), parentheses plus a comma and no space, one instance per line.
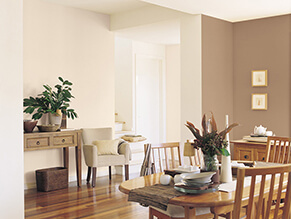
(11,95)
(191,74)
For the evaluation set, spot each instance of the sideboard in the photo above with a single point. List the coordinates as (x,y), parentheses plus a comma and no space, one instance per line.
(250,151)
(62,139)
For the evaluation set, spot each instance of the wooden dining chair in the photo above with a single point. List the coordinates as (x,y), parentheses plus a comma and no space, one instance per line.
(260,195)
(164,156)
(167,156)
(278,150)
(195,155)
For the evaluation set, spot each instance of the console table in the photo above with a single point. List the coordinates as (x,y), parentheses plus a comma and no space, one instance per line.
(250,151)
(51,140)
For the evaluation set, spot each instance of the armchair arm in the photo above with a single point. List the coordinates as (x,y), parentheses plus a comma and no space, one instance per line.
(90,155)
(124,148)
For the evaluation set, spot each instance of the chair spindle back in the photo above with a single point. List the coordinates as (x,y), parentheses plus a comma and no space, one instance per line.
(167,155)
(278,150)
(261,195)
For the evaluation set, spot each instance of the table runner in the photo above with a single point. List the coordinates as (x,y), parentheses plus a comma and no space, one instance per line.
(157,195)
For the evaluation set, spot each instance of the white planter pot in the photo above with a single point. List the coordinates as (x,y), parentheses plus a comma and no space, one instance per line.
(55,119)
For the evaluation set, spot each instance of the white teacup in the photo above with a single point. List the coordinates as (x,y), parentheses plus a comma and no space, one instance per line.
(165,179)
(269,133)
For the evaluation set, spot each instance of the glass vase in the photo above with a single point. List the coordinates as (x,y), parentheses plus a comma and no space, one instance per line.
(209,164)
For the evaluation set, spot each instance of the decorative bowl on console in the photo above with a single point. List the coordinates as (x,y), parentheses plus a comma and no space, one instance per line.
(48,128)
(29,125)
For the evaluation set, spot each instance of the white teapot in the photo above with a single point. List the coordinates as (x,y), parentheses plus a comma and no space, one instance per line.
(260,130)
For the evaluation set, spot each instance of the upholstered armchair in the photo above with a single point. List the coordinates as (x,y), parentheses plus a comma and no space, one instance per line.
(101,138)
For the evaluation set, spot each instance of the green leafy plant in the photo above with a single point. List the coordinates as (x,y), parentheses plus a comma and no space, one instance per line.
(51,101)
(211,141)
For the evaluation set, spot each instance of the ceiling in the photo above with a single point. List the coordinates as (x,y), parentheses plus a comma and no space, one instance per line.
(230,10)
(103,6)
(168,32)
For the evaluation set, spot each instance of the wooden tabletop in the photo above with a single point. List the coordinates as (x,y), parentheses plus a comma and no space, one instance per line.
(211,199)
(217,201)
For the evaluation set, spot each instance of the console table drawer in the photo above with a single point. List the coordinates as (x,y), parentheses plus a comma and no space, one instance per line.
(245,155)
(37,142)
(64,140)
(250,151)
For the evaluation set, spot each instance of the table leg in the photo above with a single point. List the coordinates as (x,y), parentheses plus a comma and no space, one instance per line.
(66,157)
(225,210)
(78,164)
(190,213)
(78,159)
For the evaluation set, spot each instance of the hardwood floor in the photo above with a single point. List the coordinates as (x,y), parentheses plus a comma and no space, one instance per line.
(104,201)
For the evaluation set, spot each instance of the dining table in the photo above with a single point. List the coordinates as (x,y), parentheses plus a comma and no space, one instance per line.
(220,202)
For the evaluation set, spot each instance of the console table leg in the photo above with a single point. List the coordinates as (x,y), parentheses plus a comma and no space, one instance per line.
(66,157)
(78,165)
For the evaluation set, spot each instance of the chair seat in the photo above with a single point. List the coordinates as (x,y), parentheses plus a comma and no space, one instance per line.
(179,212)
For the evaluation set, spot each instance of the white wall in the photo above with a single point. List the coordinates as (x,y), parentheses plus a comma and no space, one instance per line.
(11,156)
(75,44)
(173,93)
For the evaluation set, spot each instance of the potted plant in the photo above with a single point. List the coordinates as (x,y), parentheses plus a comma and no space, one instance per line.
(54,102)
(211,141)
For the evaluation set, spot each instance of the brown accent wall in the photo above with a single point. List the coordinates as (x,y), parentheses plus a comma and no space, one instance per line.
(258,45)
(217,69)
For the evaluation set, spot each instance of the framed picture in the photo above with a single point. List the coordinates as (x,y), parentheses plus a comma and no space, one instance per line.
(259,101)
(259,78)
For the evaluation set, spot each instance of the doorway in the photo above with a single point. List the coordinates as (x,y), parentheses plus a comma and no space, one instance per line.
(149,97)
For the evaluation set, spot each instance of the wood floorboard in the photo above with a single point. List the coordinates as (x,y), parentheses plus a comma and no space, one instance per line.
(104,201)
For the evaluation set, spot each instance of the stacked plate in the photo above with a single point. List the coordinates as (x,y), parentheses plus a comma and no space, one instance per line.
(196,183)
(187,169)
(197,179)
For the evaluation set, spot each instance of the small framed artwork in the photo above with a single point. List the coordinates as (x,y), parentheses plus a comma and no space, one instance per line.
(259,101)
(259,78)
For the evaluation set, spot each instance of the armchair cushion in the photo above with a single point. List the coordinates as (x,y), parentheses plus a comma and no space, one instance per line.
(107,147)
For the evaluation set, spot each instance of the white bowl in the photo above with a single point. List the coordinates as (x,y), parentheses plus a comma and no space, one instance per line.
(204,177)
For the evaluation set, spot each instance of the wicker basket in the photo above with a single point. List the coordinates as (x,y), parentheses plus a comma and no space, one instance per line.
(51,179)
